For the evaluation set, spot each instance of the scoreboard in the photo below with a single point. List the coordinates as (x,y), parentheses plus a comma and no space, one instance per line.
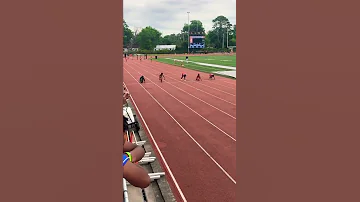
(197,42)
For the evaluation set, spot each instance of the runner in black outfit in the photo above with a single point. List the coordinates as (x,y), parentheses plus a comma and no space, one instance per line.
(161,76)
(142,79)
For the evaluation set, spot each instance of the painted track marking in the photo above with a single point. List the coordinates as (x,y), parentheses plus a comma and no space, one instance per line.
(229,136)
(194,97)
(201,90)
(219,166)
(158,149)
(201,84)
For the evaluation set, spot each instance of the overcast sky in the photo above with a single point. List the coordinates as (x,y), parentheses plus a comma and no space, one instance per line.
(169,16)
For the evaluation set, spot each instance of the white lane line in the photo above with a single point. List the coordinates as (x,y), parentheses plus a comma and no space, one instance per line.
(193,96)
(229,136)
(221,168)
(209,86)
(201,90)
(158,149)
(183,69)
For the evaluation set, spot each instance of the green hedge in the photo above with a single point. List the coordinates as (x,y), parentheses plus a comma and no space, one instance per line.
(181,51)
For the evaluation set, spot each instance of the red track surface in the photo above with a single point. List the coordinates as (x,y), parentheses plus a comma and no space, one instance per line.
(194,126)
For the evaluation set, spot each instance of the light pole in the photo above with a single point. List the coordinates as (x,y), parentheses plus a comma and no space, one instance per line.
(223,41)
(188,32)
(227,38)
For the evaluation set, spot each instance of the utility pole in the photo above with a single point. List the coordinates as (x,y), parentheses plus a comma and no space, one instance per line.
(188,32)
(227,38)
(223,41)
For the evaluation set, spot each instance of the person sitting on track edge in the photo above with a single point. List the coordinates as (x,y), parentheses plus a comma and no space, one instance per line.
(183,76)
(211,76)
(133,173)
(126,95)
(142,79)
(161,76)
(198,78)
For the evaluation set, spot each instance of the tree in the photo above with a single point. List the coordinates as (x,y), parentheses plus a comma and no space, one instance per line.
(128,34)
(174,39)
(211,39)
(220,26)
(232,36)
(148,38)
(196,27)
(171,39)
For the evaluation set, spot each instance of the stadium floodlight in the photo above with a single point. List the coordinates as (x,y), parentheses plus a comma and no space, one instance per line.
(188,32)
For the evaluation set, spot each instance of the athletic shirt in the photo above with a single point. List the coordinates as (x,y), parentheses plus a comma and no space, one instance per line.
(125,159)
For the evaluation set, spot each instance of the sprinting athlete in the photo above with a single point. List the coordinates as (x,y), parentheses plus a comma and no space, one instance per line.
(161,76)
(198,78)
(183,76)
(211,76)
(142,79)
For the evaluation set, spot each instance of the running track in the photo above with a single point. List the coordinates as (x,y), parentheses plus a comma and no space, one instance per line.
(192,126)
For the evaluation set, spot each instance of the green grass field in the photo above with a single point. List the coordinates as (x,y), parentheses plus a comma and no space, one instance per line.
(224,60)
(192,66)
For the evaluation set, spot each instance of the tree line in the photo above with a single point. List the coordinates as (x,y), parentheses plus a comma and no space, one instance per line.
(215,39)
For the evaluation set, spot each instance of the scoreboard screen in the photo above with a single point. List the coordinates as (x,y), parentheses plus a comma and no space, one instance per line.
(197,41)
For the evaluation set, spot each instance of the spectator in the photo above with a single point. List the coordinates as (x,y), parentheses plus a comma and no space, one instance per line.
(137,152)
(133,173)
(126,94)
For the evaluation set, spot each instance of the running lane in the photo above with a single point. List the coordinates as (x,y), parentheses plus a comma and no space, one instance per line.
(190,76)
(206,86)
(212,139)
(197,175)
(200,101)
(189,86)
(174,68)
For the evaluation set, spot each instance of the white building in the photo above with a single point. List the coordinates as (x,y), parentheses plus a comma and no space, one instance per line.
(130,49)
(165,47)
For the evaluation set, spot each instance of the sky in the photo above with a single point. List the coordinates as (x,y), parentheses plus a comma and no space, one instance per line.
(169,16)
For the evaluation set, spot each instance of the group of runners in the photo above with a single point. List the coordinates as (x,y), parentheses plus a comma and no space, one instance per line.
(183,77)
(138,57)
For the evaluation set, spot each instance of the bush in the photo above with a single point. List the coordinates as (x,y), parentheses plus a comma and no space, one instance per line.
(182,51)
